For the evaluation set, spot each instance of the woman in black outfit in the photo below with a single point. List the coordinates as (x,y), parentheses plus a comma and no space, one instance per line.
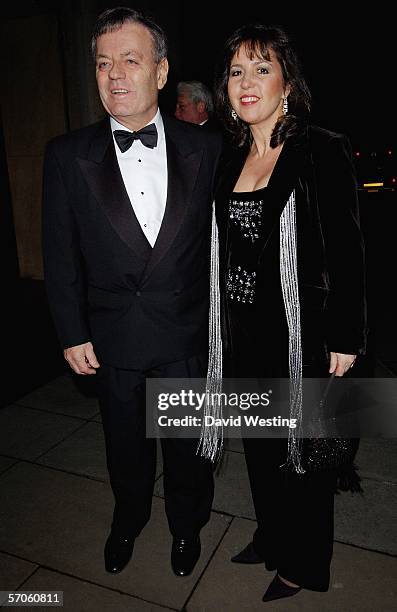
(287,308)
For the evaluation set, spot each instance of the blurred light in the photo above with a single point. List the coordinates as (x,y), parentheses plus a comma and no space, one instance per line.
(390,152)
(393,179)
(357,153)
(373,185)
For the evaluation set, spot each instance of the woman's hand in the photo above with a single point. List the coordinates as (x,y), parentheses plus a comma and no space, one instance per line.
(340,363)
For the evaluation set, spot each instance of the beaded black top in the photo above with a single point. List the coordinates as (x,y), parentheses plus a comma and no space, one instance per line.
(246,216)
(253,287)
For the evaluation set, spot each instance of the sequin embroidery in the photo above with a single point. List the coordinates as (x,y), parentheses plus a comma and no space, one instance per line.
(248,216)
(240,285)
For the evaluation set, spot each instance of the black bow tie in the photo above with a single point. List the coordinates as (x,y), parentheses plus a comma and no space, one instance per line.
(147,136)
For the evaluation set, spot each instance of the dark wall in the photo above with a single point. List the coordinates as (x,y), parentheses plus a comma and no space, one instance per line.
(9,255)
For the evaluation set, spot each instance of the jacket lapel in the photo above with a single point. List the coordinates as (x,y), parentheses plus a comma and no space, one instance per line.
(183,163)
(102,174)
(284,179)
(228,173)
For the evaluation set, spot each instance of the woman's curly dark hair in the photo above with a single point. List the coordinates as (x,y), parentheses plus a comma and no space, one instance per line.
(258,39)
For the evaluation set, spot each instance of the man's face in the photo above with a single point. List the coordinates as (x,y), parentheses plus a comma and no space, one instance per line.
(128,78)
(187,110)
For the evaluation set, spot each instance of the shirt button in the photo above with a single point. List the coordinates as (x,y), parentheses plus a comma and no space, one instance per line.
(142,193)
(145,225)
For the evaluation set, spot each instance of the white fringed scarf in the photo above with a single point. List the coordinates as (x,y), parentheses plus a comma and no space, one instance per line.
(211,440)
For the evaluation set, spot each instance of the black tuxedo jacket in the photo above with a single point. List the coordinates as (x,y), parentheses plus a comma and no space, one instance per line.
(140,306)
(212,125)
(316,164)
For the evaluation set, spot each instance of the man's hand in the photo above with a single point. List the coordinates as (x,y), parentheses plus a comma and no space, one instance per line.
(81,358)
(340,363)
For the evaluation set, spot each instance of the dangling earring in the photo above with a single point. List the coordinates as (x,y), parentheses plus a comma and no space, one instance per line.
(234,115)
(285,106)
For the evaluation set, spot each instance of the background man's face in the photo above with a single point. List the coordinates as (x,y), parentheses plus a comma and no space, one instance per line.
(187,110)
(128,78)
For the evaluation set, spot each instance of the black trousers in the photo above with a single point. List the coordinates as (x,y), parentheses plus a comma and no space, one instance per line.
(131,456)
(295,515)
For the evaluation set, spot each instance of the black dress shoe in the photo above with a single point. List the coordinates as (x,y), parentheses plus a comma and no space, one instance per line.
(184,555)
(277,589)
(248,555)
(118,551)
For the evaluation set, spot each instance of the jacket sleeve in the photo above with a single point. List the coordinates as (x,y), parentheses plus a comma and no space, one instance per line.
(63,266)
(344,248)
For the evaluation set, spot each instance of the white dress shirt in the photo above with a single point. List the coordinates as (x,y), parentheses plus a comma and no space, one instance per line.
(145,177)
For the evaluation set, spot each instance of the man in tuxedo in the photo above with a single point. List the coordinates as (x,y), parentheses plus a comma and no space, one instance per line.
(126,230)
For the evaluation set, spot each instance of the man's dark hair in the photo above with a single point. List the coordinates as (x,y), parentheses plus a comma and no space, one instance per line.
(258,39)
(112,19)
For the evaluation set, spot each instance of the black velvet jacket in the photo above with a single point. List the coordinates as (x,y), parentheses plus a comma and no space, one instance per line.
(316,164)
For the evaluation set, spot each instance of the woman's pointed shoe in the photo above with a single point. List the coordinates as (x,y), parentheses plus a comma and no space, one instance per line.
(278,589)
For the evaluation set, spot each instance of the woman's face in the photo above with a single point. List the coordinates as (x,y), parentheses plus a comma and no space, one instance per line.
(256,87)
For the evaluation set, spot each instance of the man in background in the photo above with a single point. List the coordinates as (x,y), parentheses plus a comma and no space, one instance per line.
(194,104)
